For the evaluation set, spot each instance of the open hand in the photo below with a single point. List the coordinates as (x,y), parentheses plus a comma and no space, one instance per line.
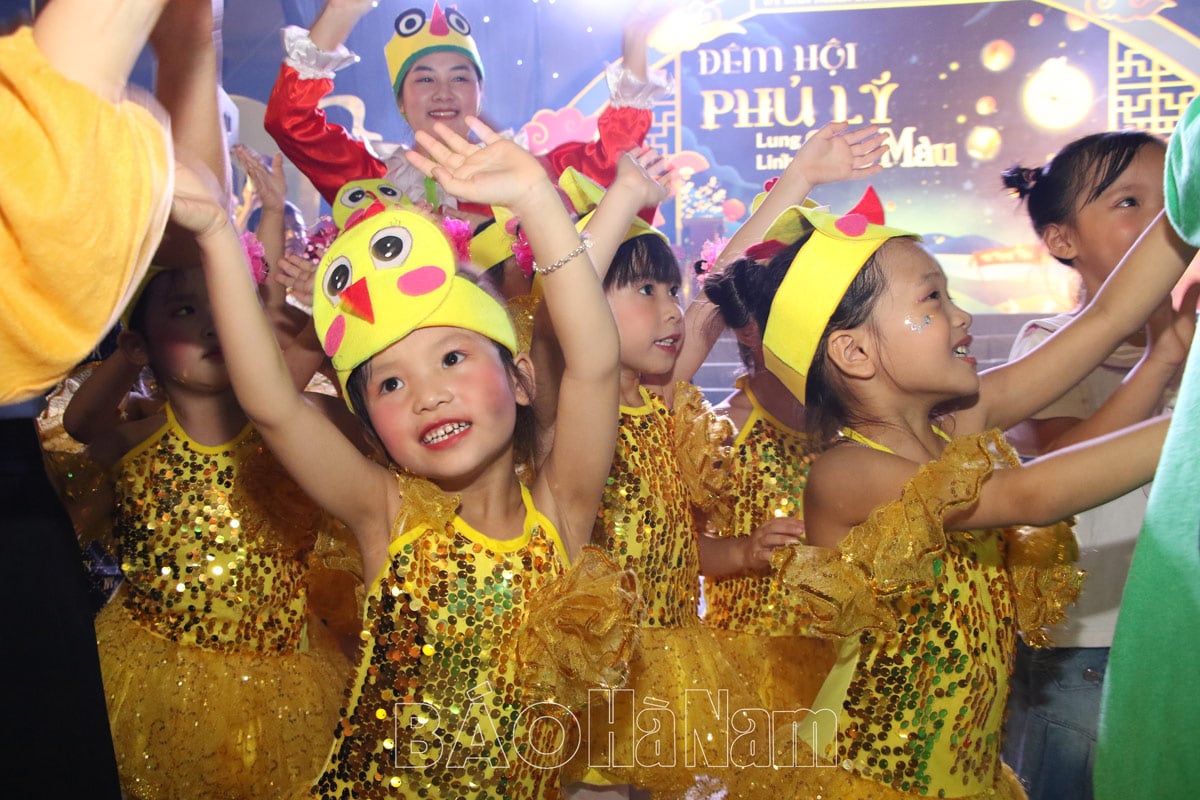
(270,183)
(497,172)
(297,274)
(646,172)
(835,153)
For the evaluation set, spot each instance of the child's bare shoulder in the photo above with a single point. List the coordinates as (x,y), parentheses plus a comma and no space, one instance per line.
(110,447)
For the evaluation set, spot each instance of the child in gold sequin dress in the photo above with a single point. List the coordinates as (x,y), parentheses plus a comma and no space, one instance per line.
(220,671)
(219,677)
(914,564)
(667,468)
(460,556)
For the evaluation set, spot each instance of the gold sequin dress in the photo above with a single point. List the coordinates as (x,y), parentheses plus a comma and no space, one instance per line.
(218,683)
(687,679)
(439,706)
(769,466)
(926,623)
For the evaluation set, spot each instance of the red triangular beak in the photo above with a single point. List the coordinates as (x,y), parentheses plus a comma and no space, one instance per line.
(437,22)
(870,207)
(361,214)
(357,300)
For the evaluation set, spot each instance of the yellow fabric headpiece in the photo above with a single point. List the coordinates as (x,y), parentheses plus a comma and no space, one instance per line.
(585,194)
(494,243)
(817,279)
(392,271)
(418,35)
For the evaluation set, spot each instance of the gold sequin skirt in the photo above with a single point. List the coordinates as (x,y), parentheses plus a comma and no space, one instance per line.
(834,783)
(195,723)
(675,729)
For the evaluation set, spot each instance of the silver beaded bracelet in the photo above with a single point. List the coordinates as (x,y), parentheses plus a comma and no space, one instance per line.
(585,243)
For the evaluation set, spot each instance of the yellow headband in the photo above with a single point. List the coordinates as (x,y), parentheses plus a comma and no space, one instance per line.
(494,243)
(585,194)
(388,274)
(817,280)
(418,36)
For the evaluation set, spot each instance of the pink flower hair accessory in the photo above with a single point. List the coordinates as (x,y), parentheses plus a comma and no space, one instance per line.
(256,257)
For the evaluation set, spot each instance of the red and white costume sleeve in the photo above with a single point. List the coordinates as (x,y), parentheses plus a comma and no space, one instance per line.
(330,156)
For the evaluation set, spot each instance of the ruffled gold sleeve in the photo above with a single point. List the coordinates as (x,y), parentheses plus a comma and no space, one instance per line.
(422,503)
(336,590)
(702,449)
(1045,581)
(581,631)
(898,551)
(83,485)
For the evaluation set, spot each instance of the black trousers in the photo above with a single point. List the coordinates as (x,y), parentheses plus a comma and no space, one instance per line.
(55,740)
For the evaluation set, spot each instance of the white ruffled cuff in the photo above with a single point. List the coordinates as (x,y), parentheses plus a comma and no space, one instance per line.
(627,90)
(311,62)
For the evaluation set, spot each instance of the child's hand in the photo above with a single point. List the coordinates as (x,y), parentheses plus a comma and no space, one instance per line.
(646,172)
(269,182)
(762,543)
(497,172)
(836,154)
(296,273)
(195,206)
(1171,332)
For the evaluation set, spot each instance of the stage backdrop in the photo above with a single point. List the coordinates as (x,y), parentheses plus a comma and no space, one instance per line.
(963,89)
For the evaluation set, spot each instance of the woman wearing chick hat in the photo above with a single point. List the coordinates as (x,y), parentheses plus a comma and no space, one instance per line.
(436,74)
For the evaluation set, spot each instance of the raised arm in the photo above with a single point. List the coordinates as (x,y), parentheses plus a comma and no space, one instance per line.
(324,152)
(321,460)
(187,48)
(96,42)
(1068,481)
(571,480)
(1138,396)
(1144,278)
(833,153)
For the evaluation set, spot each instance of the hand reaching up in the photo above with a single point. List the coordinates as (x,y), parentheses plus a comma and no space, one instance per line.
(497,172)
(647,172)
(836,153)
(269,181)
(195,206)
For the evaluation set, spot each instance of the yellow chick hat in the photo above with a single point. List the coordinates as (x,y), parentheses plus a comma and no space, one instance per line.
(418,35)
(585,194)
(817,279)
(356,195)
(392,271)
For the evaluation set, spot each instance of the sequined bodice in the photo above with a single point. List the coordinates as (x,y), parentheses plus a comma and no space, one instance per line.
(435,703)
(203,564)
(645,519)
(770,468)
(924,709)
(926,706)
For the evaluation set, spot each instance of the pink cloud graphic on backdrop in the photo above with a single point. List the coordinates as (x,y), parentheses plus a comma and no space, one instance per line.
(548,128)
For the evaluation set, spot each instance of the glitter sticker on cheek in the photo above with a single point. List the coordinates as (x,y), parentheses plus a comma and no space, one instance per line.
(917,327)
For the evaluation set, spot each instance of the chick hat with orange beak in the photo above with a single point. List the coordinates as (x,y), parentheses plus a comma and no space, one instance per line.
(817,279)
(390,272)
(418,35)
